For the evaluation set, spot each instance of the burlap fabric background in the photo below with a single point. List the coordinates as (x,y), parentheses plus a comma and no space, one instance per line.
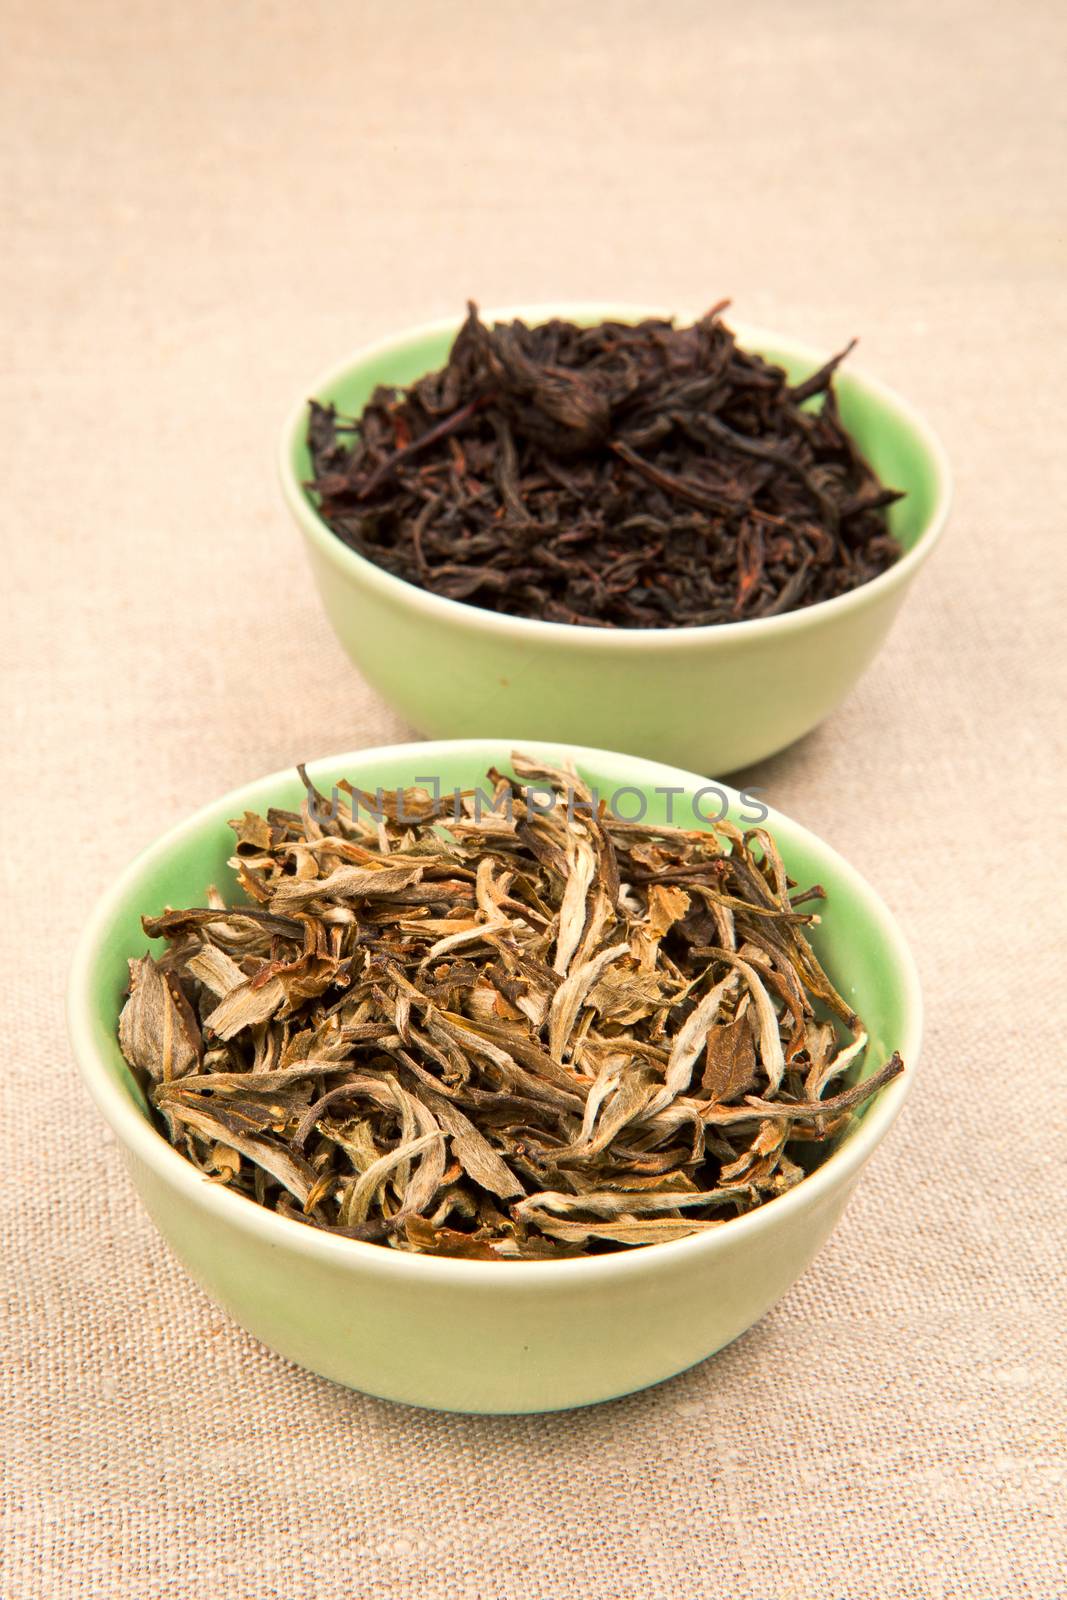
(204,205)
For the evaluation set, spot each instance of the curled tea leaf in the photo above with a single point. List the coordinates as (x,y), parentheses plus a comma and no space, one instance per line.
(527,1035)
(621,475)
(157,1028)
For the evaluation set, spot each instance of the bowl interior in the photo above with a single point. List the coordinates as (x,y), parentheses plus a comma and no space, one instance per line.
(857,940)
(895,442)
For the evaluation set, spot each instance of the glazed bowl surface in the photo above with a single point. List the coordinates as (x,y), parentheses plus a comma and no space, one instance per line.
(711,699)
(475,1335)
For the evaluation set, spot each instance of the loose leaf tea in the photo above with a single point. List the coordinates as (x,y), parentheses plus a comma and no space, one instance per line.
(518,1027)
(633,476)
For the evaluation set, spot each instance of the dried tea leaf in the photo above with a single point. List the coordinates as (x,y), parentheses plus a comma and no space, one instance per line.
(730,1061)
(362,1192)
(157,1029)
(474,1152)
(244,1007)
(581,865)
(572,992)
(512,1037)
(689,1041)
(666,906)
(344,883)
(833,1067)
(290,1171)
(623,475)
(625,1230)
(217,971)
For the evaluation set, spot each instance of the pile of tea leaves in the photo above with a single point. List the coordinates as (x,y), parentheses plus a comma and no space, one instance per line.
(515,1031)
(630,476)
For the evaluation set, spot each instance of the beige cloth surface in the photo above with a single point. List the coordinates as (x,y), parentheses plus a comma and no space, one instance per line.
(204,206)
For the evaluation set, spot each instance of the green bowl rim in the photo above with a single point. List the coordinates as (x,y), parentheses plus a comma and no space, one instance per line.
(460,613)
(142,1140)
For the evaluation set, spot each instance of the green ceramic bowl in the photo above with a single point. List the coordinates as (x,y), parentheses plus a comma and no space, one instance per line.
(712,699)
(473,1335)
